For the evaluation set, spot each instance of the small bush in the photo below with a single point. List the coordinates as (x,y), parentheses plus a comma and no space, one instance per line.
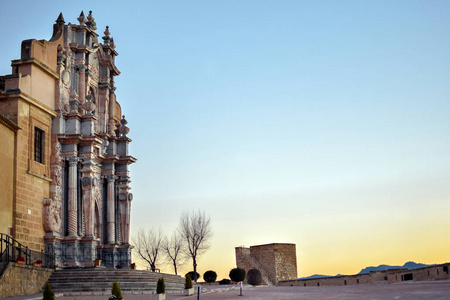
(210,276)
(160,287)
(254,277)
(225,281)
(48,293)
(237,274)
(116,291)
(188,284)
(194,276)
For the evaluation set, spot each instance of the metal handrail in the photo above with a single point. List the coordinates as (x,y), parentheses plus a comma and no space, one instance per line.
(11,250)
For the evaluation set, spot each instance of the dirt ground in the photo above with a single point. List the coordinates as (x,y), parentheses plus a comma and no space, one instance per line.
(410,291)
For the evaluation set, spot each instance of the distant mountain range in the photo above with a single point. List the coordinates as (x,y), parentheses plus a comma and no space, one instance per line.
(409,265)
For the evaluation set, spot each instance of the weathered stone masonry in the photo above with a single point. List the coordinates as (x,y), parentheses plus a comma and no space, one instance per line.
(76,198)
(276,262)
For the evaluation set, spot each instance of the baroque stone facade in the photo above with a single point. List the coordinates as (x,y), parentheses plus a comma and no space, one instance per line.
(276,261)
(72,178)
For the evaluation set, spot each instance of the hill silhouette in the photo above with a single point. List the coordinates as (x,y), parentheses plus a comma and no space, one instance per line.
(410,265)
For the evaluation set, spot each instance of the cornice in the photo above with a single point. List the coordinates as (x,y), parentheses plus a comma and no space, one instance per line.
(36,62)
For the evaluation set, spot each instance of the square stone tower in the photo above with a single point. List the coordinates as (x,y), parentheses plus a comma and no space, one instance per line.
(276,262)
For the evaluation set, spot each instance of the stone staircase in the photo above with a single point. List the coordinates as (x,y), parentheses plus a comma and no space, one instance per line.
(99,280)
(256,265)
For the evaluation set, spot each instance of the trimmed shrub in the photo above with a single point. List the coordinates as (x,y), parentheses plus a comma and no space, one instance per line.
(116,290)
(237,274)
(210,276)
(225,281)
(254,277)
(193,275)
(160,287)
(48,293)
(188,284)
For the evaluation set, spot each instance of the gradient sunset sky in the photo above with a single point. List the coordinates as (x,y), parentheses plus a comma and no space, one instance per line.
(320,123)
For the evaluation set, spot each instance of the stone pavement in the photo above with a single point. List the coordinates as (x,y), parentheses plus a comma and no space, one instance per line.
(439,290)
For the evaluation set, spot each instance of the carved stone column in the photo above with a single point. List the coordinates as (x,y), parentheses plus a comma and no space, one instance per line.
(110,208)
(88,205)
(72,197)
(124,203)
(82,87)
(112,100)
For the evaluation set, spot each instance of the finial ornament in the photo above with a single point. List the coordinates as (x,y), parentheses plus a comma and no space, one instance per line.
(106,38)
(89,105)
(82,18)
(74,101)
(106,32)
(91,23)
(60,19)
(123,129)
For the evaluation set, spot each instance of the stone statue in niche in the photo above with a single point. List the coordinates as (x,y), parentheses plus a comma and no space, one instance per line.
(52,220)
(52,206)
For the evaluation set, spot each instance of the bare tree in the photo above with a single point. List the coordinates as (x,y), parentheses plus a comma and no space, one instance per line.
(148,245)
(196,229)
(173,248)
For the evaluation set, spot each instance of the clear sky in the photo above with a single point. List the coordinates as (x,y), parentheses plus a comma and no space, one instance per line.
(319,123)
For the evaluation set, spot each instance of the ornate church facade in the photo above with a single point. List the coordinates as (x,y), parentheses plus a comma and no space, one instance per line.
(68,158)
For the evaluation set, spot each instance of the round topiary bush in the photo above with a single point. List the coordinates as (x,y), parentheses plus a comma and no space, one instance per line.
(194,276)
(225,281)
(254,277)
(210,276)
(237,274)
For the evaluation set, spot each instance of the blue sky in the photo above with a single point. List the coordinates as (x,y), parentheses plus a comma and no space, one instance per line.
(319,123)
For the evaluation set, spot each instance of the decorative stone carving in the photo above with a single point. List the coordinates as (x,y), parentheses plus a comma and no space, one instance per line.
(123,129)
(52,221)
(82,18)
(74,101)
(73,160)
(52,206)
(91,23)
(106,38)
(89,105)
(61,57)
(105,145)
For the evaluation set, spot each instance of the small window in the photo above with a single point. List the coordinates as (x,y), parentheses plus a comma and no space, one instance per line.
(38,145)
(357,280)
(385,277)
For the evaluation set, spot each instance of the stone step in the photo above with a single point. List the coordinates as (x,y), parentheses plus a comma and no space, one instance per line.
(98,281)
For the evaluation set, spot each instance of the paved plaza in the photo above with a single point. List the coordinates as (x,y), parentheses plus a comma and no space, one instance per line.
(410,291)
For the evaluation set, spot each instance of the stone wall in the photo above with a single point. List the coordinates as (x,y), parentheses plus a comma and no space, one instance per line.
(7,153)
(277,261)
(22,280)
(438,272)
(285,261)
